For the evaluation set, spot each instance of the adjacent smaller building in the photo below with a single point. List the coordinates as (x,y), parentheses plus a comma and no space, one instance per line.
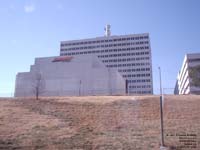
(69,76)
(188,79)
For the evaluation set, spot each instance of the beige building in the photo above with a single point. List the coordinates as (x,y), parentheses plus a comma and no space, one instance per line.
(189,76)
(129,54)
(69,76)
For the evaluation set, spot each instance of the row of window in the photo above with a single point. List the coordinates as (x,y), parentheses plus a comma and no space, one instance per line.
(194,60)
(184,82)
(183,71)
(136,75)
(103,46)
(124,54)
(139,81)
(139,86)
(128,65)
(140,92)
(111,50)
(106,51)
(102,41)
(126,49)
(133,70)
(125,59)
(184,89)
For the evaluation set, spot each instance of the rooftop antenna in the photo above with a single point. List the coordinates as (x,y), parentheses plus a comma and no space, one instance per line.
(107,30)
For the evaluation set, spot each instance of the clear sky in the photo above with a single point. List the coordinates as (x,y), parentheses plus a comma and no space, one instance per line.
(34,28)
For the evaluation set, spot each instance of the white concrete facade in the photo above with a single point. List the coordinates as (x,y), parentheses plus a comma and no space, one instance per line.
(78,76)
(129,54)
(183,84)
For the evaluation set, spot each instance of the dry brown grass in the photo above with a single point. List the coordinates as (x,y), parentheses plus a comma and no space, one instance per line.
(97,122)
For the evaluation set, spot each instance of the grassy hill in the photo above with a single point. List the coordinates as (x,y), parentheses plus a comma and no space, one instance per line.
(99,123)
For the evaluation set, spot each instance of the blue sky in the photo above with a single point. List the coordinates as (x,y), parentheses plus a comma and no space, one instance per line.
(34,28)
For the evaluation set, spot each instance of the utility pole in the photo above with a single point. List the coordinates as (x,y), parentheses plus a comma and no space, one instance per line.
(80,88)
(109,82)
(161,113)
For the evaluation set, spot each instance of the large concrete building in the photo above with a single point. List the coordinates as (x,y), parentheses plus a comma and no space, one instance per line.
(68,76)
(129,54)
(188,79)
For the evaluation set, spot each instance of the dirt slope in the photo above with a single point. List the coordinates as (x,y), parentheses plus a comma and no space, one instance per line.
(99,123)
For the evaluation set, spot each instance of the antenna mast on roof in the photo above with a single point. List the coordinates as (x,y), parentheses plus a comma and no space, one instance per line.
(107,30)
